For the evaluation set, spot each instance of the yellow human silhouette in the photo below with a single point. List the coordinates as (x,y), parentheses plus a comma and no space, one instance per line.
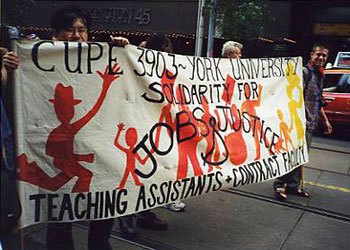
(294,105)
(284,131)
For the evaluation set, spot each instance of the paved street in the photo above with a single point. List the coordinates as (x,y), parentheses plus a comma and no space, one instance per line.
(249,217)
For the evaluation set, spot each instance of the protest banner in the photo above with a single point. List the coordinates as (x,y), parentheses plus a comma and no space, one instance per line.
(105,131)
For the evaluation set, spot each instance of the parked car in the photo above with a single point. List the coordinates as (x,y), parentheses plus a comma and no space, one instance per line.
(336,93)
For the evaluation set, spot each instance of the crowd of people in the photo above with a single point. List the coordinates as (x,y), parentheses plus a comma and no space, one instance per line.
(73,24)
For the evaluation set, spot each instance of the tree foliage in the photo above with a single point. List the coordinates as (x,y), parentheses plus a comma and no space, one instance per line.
(240,19)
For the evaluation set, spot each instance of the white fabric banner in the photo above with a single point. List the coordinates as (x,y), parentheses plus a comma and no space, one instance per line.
(104,131)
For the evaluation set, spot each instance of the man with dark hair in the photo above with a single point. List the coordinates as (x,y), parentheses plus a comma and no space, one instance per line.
(63,18)
(317,46)
(72,24)
(313,76)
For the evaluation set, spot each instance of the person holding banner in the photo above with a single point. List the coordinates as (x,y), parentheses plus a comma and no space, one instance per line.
(148,219)
(162,43)
(232,49)
(72,24)
(10,204)
(313,76)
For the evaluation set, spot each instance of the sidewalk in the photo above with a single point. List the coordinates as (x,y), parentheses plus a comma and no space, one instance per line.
(249,217)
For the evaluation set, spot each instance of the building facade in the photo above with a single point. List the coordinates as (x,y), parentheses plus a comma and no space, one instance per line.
(290,27)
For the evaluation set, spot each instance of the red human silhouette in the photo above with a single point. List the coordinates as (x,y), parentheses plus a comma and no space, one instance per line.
(130,167)
(236,145)
(249,107)
(60,143)
(168,79)
(212,151)
(188,139)
(186,148)
(229,89)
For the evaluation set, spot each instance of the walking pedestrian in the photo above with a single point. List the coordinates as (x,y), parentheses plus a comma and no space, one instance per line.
(313,76)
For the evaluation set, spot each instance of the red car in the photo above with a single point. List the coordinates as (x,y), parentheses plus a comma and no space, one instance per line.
(336,93)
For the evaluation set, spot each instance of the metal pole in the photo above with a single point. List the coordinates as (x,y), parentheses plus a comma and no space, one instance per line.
(200,27)
(211,29)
